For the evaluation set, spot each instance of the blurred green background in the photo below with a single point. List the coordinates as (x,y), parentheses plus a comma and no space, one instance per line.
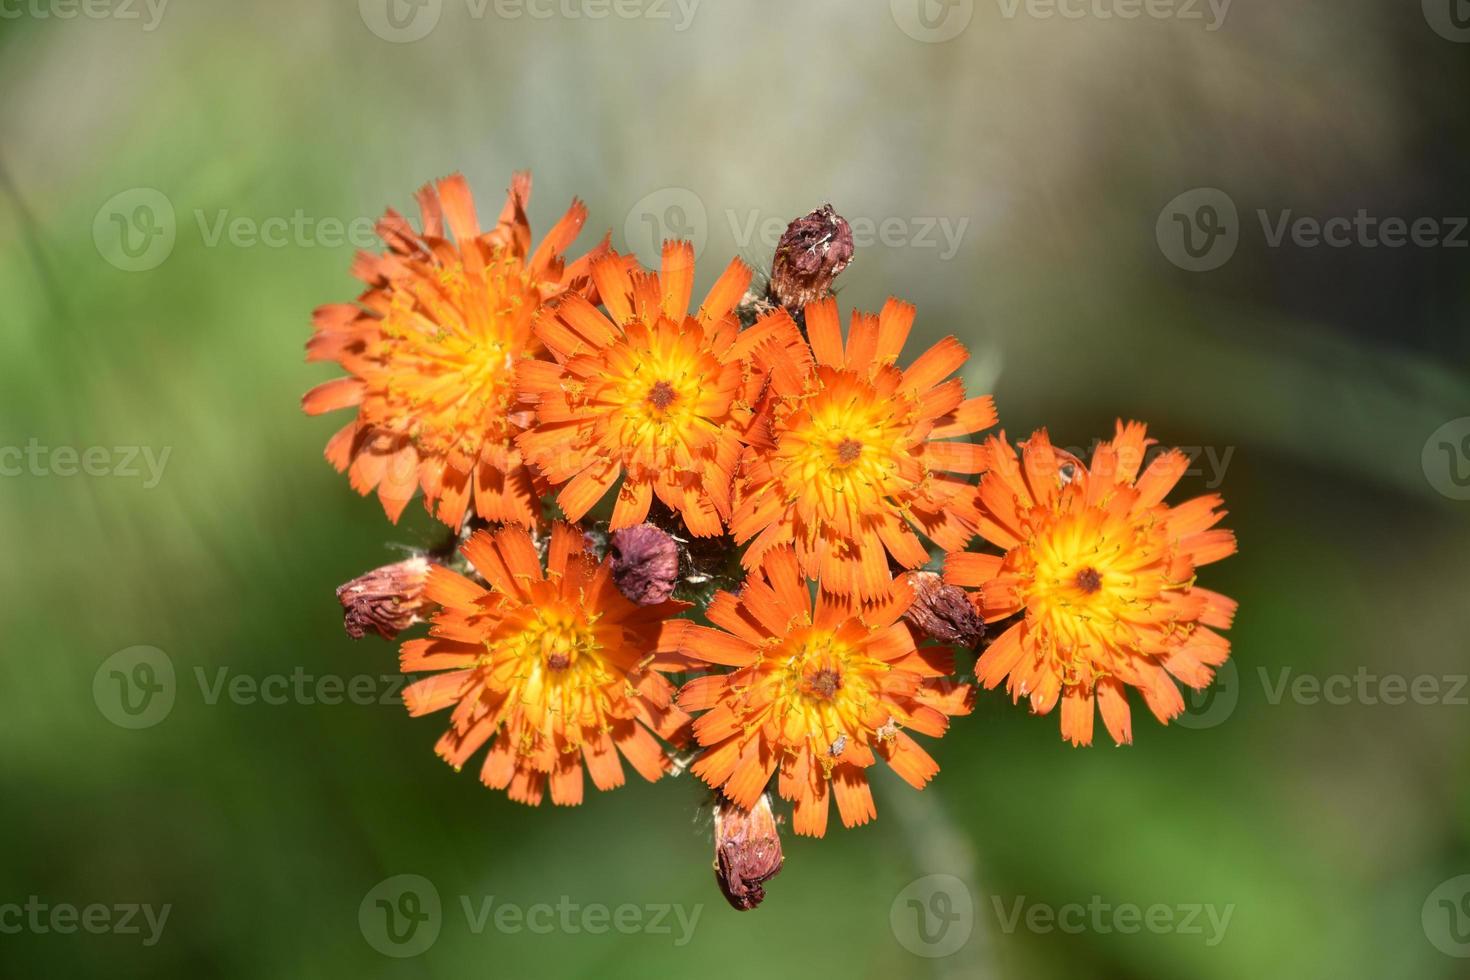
(1050,149)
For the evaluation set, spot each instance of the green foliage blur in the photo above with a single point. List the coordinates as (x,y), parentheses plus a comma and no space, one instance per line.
(1010,180)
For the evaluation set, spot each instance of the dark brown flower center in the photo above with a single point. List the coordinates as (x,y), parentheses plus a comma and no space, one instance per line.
(558,661)
(1088,580)
(824,682)
(662,395)
(849,450)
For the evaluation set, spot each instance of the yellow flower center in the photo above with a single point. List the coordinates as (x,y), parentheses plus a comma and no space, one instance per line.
(1089,580)
(821,690)
(558,676)
(842,452)
(449,353)
(663,401)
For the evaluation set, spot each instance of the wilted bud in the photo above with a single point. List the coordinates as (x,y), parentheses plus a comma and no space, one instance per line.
(808,258)
(645,563)
(747,851)
(943,612)
(388,599)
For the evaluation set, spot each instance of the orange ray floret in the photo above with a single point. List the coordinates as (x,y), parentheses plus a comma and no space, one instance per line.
(647,392)
(1104,572)
(431,348)
(816,691)
(552,668)
(854,454)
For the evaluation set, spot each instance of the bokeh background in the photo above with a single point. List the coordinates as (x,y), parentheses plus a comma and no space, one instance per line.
(1019,175)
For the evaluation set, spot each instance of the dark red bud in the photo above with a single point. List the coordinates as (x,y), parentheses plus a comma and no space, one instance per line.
(645,563)
(809,257)
(943,612)
(747,851)
(387,600)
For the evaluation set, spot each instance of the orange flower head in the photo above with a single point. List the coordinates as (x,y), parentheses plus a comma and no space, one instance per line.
(553,669)
(431,348)
(647,392)
(853,454)
(817,690)
(1103,572)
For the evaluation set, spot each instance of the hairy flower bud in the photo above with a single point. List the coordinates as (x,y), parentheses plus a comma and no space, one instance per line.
(811,253)
(747,851)
(388,600)
(645,563)
(943,612)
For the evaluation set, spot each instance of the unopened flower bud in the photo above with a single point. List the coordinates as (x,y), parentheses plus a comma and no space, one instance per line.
(747,851)
(387,600)
(808,258)
(943,612)
(645,563)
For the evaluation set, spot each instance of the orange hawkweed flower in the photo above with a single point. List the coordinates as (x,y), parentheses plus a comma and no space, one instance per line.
(647,392)
(816,691)
(431,347)
(553,669)
(855,454)
(1104,572)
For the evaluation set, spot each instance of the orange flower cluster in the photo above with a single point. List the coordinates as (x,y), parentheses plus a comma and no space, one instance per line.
(494,377)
